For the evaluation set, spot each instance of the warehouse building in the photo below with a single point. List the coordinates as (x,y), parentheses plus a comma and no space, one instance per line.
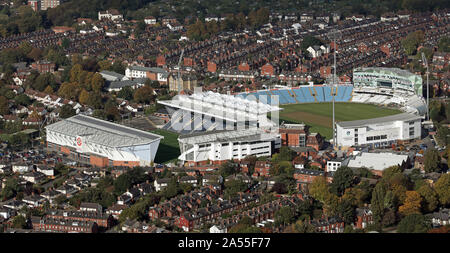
(100,143)
(379,132)
(377,162)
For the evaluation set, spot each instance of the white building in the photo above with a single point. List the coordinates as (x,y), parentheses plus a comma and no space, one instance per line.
(150,20)
(376,161)
(225,145)
(161,183)
(133,72)
(21,168)
(113,15)
(379,132)
(102,143)
(333,165)
(316,51)
(217,229)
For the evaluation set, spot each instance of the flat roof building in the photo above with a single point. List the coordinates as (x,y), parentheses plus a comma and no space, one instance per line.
(379,132)
(219,146)
(101,143)
(376,161)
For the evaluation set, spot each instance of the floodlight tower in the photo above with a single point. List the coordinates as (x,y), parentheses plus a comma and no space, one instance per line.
(424,61)
(179,69)
(334,35)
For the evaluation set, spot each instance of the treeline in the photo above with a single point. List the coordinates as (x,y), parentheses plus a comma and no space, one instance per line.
(233,22)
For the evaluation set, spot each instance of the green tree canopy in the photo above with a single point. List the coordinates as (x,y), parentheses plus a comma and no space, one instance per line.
(414,223)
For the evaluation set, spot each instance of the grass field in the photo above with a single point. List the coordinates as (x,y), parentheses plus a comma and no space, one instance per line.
(319,115)
(168,150)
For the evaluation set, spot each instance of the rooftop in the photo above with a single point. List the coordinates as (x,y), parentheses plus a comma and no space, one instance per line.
(397,117)
(376,161)
(220,105)
(225,136)
(102,132)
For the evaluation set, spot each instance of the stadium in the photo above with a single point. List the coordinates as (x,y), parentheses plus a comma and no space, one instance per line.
(382,99)
(218,127)
(100,143)
(385,88)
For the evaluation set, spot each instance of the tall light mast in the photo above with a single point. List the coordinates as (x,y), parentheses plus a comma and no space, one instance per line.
(179,69)
(334,35)
(424,60)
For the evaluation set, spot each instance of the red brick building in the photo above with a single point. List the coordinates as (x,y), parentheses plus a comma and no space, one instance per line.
(267,70)
(212,66)
(43,66)
(263,168)
(244,66)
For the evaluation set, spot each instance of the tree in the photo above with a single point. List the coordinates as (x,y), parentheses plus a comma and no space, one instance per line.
(309,41)
(284,216)
(84,97)
(389,218)
(126,93)
(318,189)
(432,160)
(143,94)
(430,198)
(44,80)
(68,91)
(442,188)
(342,179)
(4,106)
(97,82)
(226,169)
(444,44)
(95,100)
(233,187)
(19,222)
(355,196)
(286,154)
(48,90)
(66,111)
(377,202)
(346,211)
(172,189)
(279,188)
(411,42)
(75,72)
(412,203)
(414,223)
(303,227)
(23,99)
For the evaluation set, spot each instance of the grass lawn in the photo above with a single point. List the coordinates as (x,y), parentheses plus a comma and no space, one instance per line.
(319,115)
(168,150)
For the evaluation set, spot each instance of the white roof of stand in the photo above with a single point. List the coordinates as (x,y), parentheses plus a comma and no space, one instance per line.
(221,106)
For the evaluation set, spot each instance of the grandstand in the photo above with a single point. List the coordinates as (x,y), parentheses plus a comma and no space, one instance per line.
(100,143)
(394,87)
(302,94)
(208,111)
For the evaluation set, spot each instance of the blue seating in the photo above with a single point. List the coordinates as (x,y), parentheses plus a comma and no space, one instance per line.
(340,93)
(319,93)
(348,93)
(327,93)
(288,96)
(301,95)
(307,94)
